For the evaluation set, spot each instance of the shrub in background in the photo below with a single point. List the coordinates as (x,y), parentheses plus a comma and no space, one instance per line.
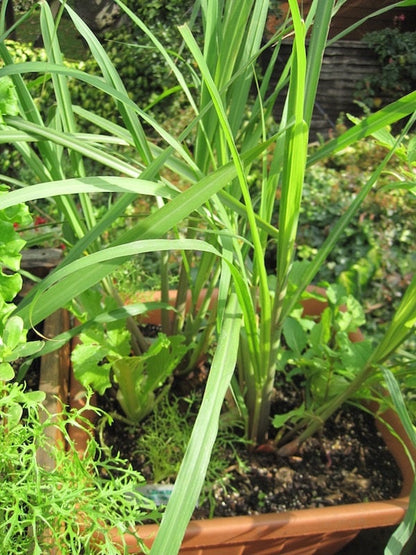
(396,54)
(144,73)
(385,225)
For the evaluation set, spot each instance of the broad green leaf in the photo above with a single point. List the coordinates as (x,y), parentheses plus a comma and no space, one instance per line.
(13,333)
(6,371)
(355,355)
(295,335)
(92,359)
(89,369)
(10,285)
(139,377)
(27,349)
(34,397)
(8,99)
(353,317)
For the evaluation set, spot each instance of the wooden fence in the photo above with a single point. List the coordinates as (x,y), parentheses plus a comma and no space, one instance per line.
(355,10)
(344,64)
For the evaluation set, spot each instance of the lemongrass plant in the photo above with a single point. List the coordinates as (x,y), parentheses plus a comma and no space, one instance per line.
(219,217)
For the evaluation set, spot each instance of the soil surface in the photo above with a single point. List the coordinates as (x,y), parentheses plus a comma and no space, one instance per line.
(346,463)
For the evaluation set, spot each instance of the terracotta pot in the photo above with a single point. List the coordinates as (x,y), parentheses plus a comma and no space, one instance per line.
(321,531)
(154,316)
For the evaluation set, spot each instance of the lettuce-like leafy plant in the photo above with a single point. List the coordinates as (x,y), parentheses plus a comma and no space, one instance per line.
(104,357)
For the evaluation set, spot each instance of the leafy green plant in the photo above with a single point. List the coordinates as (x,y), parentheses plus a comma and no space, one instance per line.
(139,377)
(70,506)
(104,356)
(396,58)
(322,351)
(385,224)
(8,104)
(216,223)
(11,245)
(40,507)
(13,345)
(146,73)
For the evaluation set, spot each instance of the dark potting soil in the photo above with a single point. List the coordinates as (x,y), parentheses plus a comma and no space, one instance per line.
(31,378)
(347,462)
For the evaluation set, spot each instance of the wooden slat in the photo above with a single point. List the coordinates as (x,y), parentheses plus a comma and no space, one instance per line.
(344,64)
(54,377)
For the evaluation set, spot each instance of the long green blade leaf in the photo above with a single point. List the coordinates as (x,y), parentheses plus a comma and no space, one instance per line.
(57,289)
(404,531)
(388,115)
(99,184)
(193,468)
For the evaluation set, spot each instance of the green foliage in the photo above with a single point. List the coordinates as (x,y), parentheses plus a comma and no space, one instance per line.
(396,56)
(138,377)
(69,506)
(320,354)
(145,74)
(11,245)
(141,273)
(8,99)
(386,225)
(13,346)
(167,432)
(104,358)
(99,345)
(13,399)
(11,163)
(23,5)
(212,215)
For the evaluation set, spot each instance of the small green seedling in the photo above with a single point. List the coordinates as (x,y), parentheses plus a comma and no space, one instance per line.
(322,353)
